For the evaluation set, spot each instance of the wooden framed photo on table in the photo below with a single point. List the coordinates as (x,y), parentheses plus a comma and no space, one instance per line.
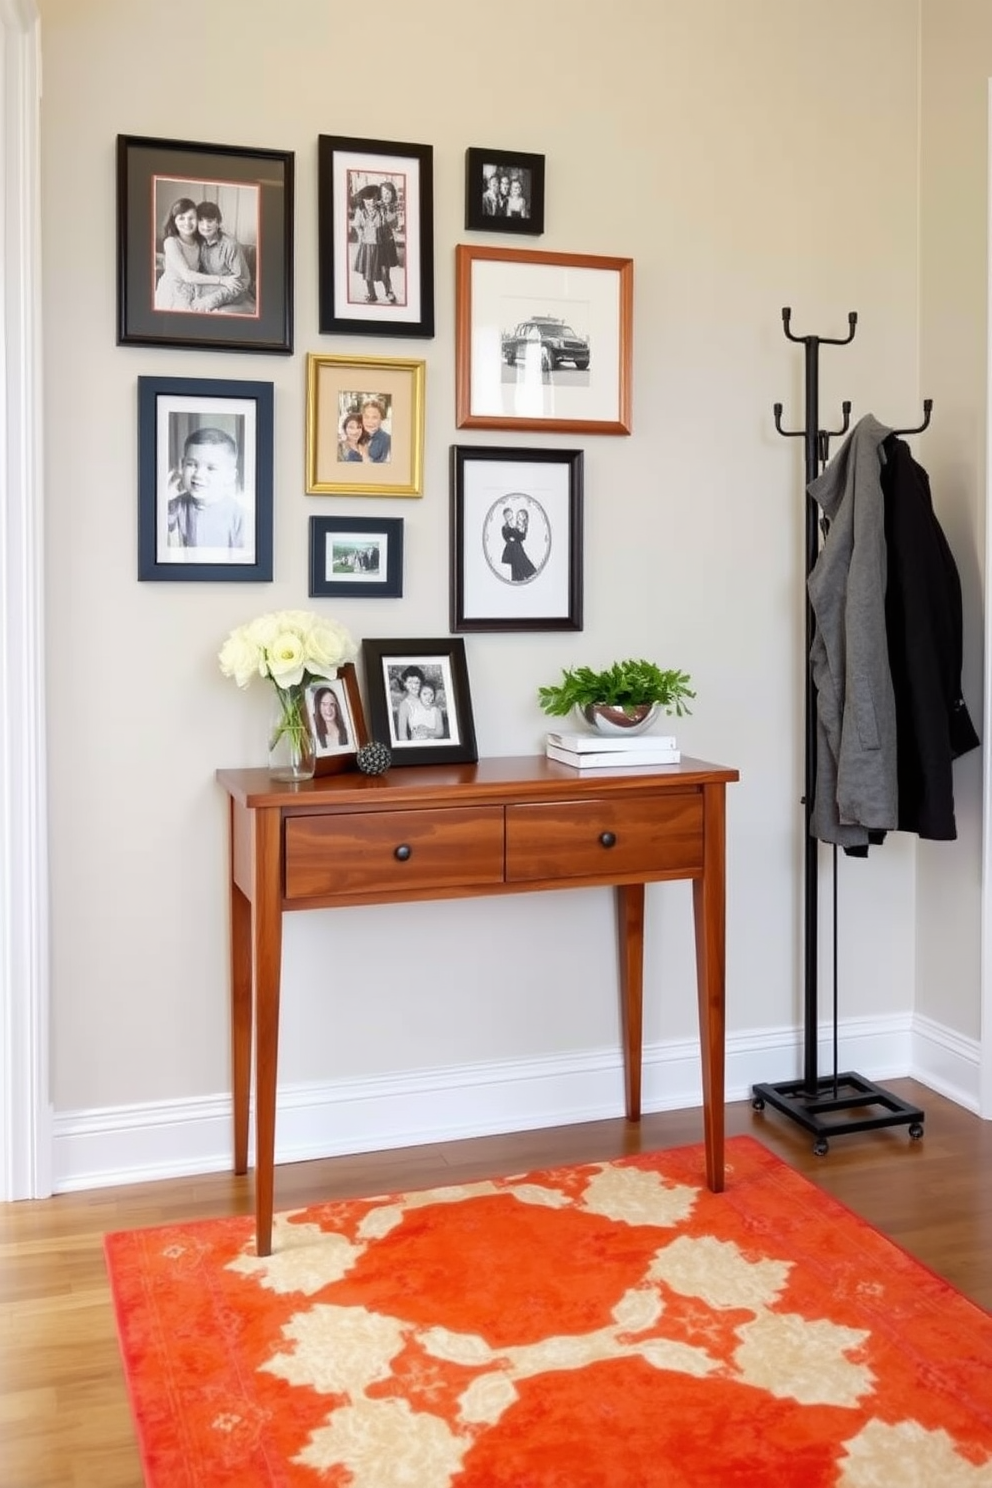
(419,700)
(543,340)
(204,246)
(356,557)
(375,213)
(516,539)
(334,710)
(365,426)
(204,479)
(504,191)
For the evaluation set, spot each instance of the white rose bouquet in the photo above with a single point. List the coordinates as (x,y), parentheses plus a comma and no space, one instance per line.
(292,648)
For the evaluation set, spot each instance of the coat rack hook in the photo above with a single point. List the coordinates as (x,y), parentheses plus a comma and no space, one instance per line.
(852,322)
(789,433)
(927,410)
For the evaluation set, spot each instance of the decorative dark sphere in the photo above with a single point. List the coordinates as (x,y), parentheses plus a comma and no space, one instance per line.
(373,759)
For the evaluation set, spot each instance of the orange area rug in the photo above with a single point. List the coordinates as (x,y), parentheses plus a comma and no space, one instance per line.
(613,1325)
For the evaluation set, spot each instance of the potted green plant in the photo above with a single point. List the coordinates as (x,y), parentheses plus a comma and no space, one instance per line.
(624,698)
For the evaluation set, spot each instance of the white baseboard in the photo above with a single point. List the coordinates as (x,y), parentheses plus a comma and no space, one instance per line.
(172,1139)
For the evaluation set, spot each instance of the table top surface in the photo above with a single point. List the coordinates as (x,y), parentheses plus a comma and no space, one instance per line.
(527,777)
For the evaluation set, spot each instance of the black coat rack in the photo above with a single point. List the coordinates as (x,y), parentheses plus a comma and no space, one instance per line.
(834,1104)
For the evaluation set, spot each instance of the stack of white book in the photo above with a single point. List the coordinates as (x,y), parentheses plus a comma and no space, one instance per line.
(602,751)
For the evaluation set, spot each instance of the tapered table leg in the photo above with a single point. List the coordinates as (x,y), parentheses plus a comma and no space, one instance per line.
(709,912)
(241,960)
(267,938)
(630,930)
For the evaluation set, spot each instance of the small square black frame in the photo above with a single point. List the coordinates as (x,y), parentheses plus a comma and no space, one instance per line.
(482,215)
(357,582)
(442,660)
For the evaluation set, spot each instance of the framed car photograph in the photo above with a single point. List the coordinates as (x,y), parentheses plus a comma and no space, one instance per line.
(334,711)
(419,700)
(204,246)
(504,191)
(204,479)
(365,426)
(516,539)
(356,557)
(543,340)
(375,218)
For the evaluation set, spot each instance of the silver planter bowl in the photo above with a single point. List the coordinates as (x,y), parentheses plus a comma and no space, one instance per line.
(604,719)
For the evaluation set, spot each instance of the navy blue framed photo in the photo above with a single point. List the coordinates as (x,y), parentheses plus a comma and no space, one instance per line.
(356,557)
(204,480)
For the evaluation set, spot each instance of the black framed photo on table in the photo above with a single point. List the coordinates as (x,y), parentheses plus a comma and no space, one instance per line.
(516,539)
(204,246)
(364,426)
(334,712)
(419,701)
(543,340)
(504,191)
(204,479)
(375,214)
(356,557)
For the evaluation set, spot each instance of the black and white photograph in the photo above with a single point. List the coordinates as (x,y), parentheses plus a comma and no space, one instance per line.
(376,237)
(334,712)
(419,703)
(516,539)
(356,557)
(204,246)
(543,340)
(504,191)
(365,426)
(205,479)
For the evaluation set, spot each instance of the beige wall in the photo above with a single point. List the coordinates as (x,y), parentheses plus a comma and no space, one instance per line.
(693,138)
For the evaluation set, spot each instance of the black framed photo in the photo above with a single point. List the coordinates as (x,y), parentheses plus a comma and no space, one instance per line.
(504,191)
(375,213)
(204,246)
(419,700)
(356,557)
(334,710)
(516,539)
(204,479)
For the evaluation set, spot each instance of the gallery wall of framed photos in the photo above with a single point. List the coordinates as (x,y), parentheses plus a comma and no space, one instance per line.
(543,344)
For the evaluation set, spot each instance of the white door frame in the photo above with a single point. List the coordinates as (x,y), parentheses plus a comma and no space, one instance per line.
(25,1113)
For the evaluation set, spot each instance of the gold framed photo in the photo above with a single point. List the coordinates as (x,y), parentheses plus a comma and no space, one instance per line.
(365,426)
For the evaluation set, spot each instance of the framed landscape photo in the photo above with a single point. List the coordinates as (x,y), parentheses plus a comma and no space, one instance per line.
(516,539)
(375,216)
(356,557)
(543,340)
(504,191)
(365,426)
(334,710)
(204,479)
(419,700)
(204,246)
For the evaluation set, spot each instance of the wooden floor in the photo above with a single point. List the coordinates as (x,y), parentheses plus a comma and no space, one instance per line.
(64,1417)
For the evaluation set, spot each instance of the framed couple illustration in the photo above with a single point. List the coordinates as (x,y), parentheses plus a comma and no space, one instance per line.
(204,246)
(375,208)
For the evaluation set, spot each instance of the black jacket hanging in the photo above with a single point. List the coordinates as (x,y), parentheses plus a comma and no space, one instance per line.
(924,626)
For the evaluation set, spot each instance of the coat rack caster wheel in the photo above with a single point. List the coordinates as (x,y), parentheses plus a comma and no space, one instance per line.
(916,1132)
(821,1147)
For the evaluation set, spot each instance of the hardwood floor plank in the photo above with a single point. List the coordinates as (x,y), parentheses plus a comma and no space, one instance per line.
(64,1412)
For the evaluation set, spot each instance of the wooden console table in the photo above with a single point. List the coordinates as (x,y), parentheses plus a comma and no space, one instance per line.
(502,826)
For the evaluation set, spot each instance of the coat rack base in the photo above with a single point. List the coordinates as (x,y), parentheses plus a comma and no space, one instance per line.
(837,1105)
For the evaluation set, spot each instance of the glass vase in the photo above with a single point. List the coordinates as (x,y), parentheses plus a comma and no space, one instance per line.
(291,744)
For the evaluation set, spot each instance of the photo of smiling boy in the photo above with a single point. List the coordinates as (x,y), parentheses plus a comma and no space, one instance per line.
(206,509)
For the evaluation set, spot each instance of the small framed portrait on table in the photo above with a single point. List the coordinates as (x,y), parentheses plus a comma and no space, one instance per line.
(419,700)
(334,709)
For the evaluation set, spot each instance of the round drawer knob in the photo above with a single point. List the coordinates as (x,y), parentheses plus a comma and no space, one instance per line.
(402,852)
(608,839)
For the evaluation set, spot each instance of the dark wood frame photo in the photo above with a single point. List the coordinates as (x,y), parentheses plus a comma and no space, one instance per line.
(337,389)
(334,756)
(441,663)
(250,192)
(375,264)
(567,368)
(356,557)
(185,423)
(486,198)
(516,538)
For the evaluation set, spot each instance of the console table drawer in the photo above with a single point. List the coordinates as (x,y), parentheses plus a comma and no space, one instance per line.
(590,839)
(390,852)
